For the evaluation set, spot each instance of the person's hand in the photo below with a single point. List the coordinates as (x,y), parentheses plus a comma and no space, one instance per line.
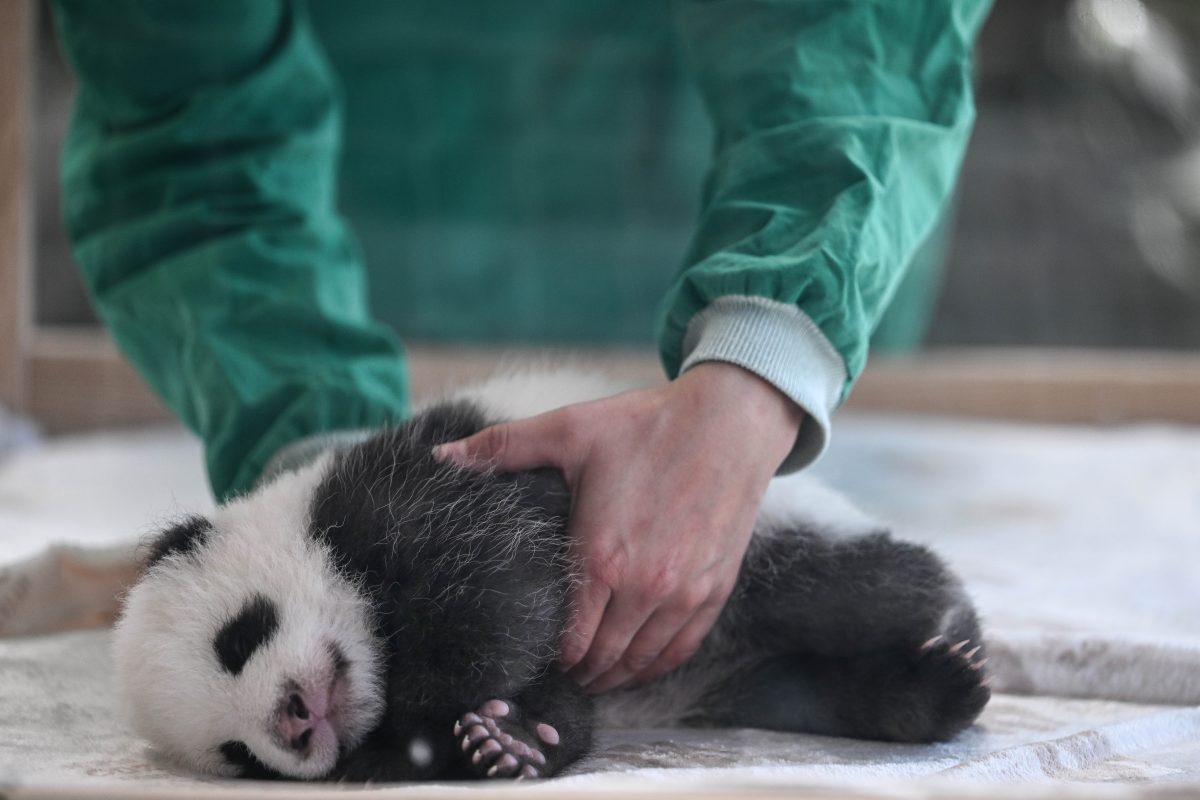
(666,483)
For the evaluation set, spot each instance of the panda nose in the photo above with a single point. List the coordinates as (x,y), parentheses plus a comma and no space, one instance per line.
(297,719)
(296,707)
(300,743)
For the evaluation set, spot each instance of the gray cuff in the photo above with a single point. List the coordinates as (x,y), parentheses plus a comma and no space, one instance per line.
(783,346)
(302,452)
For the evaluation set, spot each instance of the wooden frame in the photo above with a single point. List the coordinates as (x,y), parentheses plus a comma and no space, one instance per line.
(42,370)
(16,37)
(1055,386)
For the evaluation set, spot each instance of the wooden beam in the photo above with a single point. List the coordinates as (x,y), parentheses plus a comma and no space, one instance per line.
(78,381)
(1037,385)
(16,36)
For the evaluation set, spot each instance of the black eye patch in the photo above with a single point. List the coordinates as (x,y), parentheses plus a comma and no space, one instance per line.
(237,754)
(253,627)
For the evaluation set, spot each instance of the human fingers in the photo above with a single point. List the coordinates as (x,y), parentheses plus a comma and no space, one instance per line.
(621,621)
(540,441)
(685,644)
(591,600)
(645,647)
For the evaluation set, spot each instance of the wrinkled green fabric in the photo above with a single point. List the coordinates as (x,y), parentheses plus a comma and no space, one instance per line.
(516,171)
(841,127)
(199,195)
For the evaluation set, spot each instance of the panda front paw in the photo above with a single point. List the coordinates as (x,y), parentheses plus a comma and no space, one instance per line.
(498,742)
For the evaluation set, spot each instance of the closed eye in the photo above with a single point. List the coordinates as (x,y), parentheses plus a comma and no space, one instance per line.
(253,627)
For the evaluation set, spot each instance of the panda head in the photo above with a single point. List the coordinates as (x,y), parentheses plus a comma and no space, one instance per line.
(242,651)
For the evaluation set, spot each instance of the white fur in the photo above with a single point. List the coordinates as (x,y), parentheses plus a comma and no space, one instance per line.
(529,392)
(176,694)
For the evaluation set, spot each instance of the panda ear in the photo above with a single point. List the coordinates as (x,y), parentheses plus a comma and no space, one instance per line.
(183,537)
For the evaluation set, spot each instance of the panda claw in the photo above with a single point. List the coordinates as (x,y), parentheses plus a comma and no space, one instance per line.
(931,642)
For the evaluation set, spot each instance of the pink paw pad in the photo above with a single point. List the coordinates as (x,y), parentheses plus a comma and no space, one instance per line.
(495,752)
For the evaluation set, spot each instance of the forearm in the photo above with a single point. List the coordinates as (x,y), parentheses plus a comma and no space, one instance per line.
(199,175)
(841,125)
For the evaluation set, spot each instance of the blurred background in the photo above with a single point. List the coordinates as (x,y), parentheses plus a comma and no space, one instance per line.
(1077,221)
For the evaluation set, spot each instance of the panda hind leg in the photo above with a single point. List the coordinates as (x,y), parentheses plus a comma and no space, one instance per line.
(864,636)
(926,695)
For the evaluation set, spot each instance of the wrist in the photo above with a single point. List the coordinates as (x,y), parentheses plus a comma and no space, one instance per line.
(768,420)
(781,344)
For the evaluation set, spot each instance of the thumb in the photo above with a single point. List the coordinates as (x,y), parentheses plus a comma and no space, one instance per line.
(508,446)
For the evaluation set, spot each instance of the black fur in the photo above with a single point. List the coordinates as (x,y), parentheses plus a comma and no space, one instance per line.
(476,609)
(843,629)
(183,537)
(469,573)
(236,754)
(253,627)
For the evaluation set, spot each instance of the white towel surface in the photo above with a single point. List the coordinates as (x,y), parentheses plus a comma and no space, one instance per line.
(1081,547)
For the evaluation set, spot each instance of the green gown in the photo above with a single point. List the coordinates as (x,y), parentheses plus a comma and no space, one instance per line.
(761,171)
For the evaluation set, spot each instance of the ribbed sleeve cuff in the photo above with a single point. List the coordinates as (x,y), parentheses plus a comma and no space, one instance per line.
(783,346)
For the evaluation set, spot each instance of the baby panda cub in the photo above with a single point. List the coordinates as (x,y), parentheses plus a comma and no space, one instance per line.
(379,615)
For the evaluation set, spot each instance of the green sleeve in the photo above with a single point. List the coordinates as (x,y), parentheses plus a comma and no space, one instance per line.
(199,177)
(840,128)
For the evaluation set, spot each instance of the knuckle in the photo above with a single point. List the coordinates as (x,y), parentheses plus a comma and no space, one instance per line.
(495,442)
(637,660)
(570,653)
(724,589)
(574,647)
(609,568)
(695,595)
(677,655)
(658,587)
(567,418)
(567,427)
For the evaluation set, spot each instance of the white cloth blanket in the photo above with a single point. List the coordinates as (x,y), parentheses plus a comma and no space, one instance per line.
(1081,547)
